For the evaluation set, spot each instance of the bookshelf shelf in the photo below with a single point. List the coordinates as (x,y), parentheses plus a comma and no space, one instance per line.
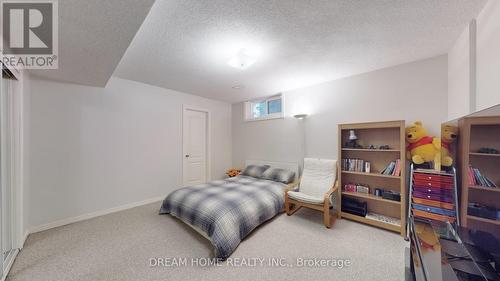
(371,175)
(492,189)
(370,197)
(484,154)
(476,133)
(391,133)
(376,223)
(495,222)
(371,150)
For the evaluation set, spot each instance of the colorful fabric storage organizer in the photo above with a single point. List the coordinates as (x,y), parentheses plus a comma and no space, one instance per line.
(433,195)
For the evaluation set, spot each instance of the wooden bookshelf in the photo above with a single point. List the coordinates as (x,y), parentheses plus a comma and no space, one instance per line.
(476,133)
(390,133)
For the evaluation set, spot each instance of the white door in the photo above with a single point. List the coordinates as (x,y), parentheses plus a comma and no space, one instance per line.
(6,191)
(195,140)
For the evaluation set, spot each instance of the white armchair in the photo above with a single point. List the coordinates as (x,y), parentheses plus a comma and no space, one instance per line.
(317,183)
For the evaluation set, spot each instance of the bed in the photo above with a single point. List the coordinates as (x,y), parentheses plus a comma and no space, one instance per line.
(226,211)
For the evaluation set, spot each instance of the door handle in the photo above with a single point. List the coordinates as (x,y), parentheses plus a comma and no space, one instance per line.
(187,155)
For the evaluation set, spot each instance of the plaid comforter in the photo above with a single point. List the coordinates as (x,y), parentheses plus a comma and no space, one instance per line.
(226,210)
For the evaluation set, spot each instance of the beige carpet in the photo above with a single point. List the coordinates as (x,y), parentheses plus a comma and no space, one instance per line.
(119,246)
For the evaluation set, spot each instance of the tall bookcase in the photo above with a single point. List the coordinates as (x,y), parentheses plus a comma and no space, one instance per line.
(391,133)
(476,133)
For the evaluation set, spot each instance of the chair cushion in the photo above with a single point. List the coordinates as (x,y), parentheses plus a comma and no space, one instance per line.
(318,177)
(299,196)
(279,175)
(255,171)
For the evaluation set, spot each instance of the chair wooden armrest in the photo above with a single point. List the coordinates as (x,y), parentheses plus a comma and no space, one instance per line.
(327,219)
(333,189)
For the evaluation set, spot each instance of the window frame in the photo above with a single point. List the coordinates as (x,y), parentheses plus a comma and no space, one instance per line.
(248,116)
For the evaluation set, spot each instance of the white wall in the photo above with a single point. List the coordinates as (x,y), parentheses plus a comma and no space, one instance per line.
(97,148)
(477,55)
(413,91)
(460,74)
(488,55)
(274,140)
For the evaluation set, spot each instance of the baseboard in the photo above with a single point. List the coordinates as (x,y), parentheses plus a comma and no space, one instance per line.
(93,215)
(25,236)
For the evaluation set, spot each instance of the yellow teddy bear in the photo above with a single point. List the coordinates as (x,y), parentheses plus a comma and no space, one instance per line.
(448,136)
(421,147)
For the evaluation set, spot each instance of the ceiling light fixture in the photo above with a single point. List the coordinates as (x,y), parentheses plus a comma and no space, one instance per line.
(241,60)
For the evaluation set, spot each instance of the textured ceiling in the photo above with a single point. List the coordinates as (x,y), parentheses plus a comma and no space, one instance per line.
(184,44)
(93,36)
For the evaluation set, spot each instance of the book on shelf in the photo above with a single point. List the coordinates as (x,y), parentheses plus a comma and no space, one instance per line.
(355,165)
(367,167)
(393,169)
(476,178)
(397,170)
(359,188)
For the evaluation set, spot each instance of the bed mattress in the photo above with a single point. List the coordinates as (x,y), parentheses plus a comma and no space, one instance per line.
(226,211)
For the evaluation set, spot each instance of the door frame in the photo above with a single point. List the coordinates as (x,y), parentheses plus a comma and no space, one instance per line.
(208,156)
(16,124)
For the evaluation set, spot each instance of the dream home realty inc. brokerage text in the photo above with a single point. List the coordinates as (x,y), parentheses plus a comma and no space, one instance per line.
(338,263)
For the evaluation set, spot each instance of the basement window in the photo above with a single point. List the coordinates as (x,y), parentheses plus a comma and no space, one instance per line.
(264,109)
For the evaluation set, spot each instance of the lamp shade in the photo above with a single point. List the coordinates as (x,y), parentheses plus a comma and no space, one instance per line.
(352,135)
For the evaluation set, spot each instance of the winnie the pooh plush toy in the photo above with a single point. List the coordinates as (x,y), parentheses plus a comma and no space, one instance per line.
(233,172)
(448,136)
(421,147)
